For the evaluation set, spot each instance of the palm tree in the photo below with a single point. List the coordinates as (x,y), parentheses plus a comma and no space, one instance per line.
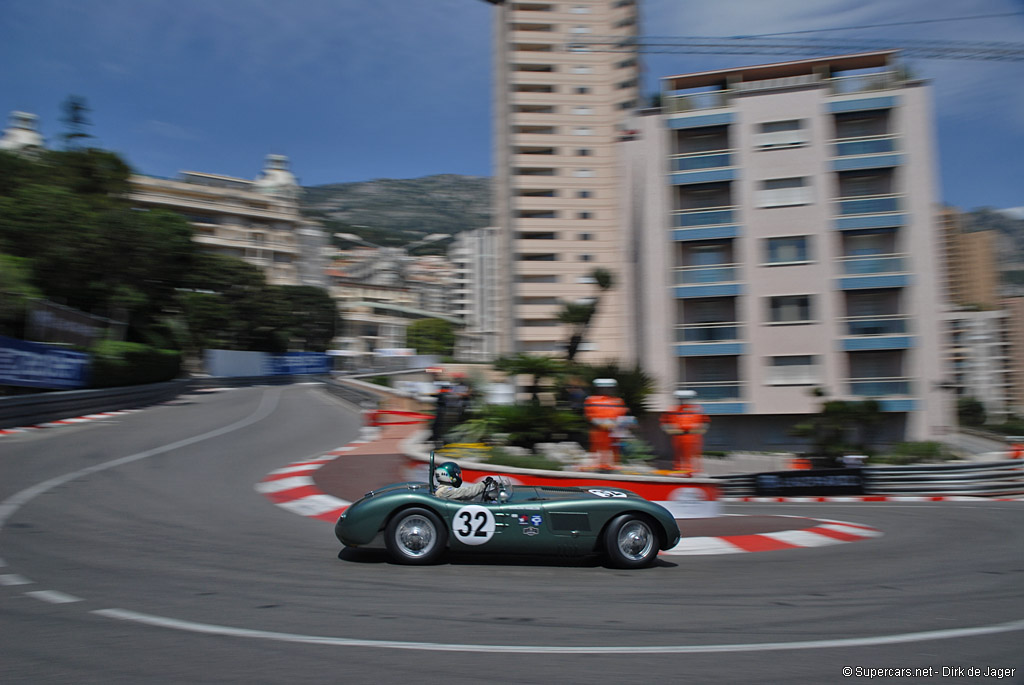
(536,366)
(578,315)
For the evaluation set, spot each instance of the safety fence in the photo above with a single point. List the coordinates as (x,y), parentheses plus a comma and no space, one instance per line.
(961,479)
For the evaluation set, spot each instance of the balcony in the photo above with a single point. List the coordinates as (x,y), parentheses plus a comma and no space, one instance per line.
(868,152)
(702,167)
(708,340)
(860,265)
(681,104)
(717,273)
(718,280)
(878,387)
(889,324)
(865,83)
(708,332)
(869,211)
(704,216)
(873,271)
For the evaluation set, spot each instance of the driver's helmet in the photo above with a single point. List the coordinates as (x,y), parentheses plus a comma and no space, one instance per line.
(449,473)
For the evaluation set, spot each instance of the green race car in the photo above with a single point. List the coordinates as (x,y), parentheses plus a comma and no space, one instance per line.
(418,526)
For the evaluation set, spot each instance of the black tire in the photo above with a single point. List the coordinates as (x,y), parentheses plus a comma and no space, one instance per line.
(630,541)
(415,536)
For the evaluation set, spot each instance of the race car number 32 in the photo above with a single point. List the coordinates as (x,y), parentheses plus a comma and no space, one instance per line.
(473,524)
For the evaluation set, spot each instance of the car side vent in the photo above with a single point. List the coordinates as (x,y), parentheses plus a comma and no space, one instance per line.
(564,521)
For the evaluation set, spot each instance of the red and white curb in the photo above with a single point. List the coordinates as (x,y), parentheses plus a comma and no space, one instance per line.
(827,532)
(66,422)
(293,488)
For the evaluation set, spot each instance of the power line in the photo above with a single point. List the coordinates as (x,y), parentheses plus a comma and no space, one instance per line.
(878,26)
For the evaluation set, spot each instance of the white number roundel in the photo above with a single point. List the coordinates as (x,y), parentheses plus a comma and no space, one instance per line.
(473,524)
(608,493)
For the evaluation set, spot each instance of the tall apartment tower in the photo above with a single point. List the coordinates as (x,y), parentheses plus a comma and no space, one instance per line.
(559,107)
(789,242)
(972,273)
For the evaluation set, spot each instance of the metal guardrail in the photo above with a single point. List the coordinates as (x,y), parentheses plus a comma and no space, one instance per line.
(36,408)
(28,410)
(973,479)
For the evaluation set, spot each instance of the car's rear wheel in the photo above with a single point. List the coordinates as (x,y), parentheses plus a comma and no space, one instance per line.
(415,536)
(630,541)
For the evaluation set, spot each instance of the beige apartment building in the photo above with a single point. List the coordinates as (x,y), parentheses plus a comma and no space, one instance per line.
(559,108)
(258,221)
(786,221)
(972,274)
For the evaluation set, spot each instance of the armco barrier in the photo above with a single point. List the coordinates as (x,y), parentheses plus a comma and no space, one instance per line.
(27,410)
(978,479)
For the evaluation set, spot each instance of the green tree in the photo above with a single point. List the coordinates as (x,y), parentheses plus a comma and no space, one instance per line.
(15,292)
(431,336)
(538,367)
(970,412)
(634,385)
(578,315)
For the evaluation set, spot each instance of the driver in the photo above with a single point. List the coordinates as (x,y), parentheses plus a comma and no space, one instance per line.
(449,477)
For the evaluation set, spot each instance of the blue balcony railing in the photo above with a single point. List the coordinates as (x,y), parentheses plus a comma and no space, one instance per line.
(879,387)
(716,216)
(876,325)
(708,332)
(696,162)
(865,146)
(872,264)
(875,204)
(702,275)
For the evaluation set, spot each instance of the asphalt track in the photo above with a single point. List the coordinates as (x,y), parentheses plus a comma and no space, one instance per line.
(136,550)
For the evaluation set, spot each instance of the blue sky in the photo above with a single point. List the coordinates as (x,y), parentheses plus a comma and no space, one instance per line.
(353,90)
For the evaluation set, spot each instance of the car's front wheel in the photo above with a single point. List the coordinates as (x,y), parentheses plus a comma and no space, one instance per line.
(415,536)
(630,542)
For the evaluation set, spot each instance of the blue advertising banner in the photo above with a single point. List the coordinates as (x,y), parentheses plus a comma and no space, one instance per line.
(36,365)
(294,363)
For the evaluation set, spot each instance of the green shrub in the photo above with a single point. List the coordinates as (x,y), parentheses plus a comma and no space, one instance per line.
(528,424)
(526,461)
(117,364)
(913,453)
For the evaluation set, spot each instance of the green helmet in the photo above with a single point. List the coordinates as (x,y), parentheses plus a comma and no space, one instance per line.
(449,473)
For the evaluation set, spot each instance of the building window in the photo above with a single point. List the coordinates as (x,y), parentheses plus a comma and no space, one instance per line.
(584,258)
(583,152)
(547,257)
(787,250)
(537,278)
(789,309)
(580,29)
(537,235)
(586,236)
(797,369)
(585,215)
(579,9)
(780,134)
(584,194)
(583,131)
(784,192)
(582,111)
(582,90)
(583,173)
(582,70)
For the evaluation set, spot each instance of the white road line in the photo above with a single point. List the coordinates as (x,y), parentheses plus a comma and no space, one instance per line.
(14,579)
(211,629)
(53,597)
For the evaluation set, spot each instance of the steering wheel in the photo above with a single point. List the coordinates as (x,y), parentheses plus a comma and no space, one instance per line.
(491,489)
